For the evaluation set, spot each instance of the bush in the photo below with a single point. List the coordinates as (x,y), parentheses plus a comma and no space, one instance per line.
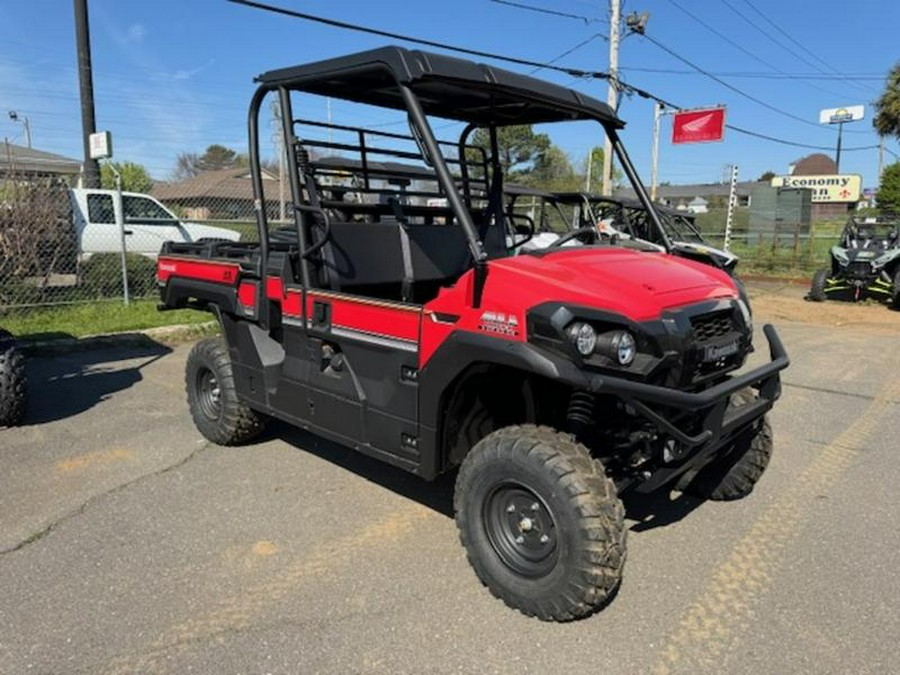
(37,238)
(101,275)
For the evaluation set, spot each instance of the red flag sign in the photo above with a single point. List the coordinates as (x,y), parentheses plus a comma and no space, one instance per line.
(698,126)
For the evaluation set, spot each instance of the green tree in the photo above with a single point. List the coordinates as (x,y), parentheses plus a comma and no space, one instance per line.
(553,172)
(888,195)
(594,163)
(135,178)
(215,157)
(766,176)
(887,108)
(520,148)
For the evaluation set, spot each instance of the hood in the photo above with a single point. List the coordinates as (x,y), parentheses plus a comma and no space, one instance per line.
(639,285)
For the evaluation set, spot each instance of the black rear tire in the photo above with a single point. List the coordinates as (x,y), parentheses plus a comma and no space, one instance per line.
(541,522)
(212,397)
(817,290)
(12,381)
(734,473)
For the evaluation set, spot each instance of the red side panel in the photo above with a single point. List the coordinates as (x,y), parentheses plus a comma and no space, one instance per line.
(247,295)
(274,289)
(203,270)
(384,319)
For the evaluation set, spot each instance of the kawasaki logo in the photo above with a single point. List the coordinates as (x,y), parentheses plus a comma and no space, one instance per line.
(716,352)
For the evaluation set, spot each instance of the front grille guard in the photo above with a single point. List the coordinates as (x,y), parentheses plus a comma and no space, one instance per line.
(719,421)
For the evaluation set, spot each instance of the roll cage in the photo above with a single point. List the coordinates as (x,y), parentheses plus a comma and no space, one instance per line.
(422,84)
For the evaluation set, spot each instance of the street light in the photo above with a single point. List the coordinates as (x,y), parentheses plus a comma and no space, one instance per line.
(14,116)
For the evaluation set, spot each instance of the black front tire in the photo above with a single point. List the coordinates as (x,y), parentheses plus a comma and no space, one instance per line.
(212,397)
(734,473)
(12,381)
(541,522)
(817,290)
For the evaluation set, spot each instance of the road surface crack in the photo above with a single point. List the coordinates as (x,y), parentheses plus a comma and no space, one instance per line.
(74,513)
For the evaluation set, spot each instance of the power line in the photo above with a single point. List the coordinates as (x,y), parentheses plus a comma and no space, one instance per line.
(780,75)
(729,40)
(769,37)
(569,51)
(406,38)
(543,10)
(727,85)
(575,72)
(794,41)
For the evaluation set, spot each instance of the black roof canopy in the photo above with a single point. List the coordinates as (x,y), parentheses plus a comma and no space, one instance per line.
(446,86)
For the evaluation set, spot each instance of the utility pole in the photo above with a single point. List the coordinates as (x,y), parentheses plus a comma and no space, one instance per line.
(86,85)
(14,116)
(837,160)
(732,203)
(654,162)
(613,91)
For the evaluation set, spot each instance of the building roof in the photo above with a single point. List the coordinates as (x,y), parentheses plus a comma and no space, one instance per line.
(232,183)
(815,165)
(19,159)
(696,190)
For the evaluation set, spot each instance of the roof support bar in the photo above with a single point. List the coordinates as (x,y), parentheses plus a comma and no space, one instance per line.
(418,119)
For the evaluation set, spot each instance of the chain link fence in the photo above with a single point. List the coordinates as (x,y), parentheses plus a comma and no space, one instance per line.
(60,246)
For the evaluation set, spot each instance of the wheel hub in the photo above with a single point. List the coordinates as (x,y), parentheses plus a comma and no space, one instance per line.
(521,529)
(209,394)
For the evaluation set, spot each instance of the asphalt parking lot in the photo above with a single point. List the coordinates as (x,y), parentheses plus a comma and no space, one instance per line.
(128,544)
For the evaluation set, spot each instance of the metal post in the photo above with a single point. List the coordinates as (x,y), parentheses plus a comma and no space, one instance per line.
(120,223)
(587,176)
(837,161)
(732,202)
(282,162)
(654,162)
(613,91)
(86,84)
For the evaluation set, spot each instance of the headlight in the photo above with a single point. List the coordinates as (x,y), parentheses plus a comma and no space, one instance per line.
(618,345)
(583,336)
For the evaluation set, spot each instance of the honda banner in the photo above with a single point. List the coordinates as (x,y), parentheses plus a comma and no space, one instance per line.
(698,126)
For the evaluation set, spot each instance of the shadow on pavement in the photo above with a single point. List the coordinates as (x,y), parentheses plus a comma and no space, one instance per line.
(61,385)
(659,508)
(656,509)
(436,495)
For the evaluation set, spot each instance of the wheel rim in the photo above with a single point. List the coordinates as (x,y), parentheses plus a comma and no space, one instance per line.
(521,529)
(208,394)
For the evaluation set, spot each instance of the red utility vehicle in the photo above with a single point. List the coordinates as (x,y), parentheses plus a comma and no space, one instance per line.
(394,315)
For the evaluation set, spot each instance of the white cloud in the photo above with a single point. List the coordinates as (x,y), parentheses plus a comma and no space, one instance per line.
(134,35)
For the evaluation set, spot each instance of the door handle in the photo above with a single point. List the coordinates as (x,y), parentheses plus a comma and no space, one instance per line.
(128,232)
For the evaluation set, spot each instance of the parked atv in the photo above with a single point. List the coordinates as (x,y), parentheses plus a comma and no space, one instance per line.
(12,381)
(865,263)
(396,315)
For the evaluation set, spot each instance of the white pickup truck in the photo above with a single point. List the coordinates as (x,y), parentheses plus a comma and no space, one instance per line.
(147,224)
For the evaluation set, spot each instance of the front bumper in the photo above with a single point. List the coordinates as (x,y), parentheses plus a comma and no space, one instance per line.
(718,422)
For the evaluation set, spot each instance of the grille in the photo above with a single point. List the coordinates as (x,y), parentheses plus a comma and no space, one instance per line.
(711,326)
(859,270)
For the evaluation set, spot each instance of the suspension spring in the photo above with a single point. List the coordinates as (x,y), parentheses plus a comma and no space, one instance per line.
(581,410)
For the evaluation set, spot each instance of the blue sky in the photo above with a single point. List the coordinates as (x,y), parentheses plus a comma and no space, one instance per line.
(173,76)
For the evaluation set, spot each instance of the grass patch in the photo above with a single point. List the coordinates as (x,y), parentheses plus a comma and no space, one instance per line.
(96,319)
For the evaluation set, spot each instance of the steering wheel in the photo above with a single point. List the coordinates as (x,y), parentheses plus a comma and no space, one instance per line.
(530,229)
(580,232)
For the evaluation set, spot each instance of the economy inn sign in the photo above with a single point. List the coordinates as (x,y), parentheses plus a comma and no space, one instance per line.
(835,188)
